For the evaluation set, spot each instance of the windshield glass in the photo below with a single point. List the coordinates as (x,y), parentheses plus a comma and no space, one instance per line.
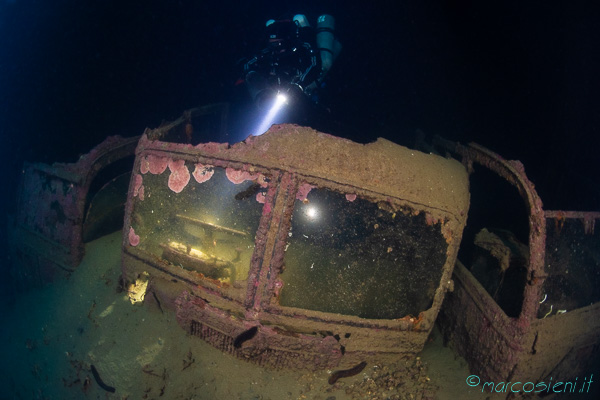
(199,218)
(349,255)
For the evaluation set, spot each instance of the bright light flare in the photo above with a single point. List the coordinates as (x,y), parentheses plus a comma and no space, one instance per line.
(266,123)
(312,213)
(281,99)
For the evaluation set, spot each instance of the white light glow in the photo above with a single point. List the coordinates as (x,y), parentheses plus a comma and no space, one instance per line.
(280,99)
(266,123)
(312,214)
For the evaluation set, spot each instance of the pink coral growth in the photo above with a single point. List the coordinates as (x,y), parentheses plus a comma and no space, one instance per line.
(261,197)
(137,184)
(138,188)
(154,164)
(350,197)
(262,180)
(237,176)
(430,219)
(144,165)
(180,175)
(202,172)
(157,165)
(303,191)
(134,239)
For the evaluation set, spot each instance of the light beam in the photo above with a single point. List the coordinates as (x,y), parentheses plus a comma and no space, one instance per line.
(267,121)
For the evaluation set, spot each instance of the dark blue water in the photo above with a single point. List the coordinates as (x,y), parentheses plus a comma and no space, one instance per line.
(519,79)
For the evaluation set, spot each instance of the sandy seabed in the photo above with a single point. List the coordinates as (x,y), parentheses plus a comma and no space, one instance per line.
(51,337)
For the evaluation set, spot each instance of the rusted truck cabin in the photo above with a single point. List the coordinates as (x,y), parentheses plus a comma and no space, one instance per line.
(49,230)
(523,308)
(300,249)
(295,248)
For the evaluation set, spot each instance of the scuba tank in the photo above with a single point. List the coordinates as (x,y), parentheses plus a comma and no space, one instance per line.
(327,44)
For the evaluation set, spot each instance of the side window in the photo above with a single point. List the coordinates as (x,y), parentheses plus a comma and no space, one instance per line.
(198,218)
(494,245)
(349,255)
(572,263)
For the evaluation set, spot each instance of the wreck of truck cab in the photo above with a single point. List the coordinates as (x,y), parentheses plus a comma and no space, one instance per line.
(304,250)
(296,248)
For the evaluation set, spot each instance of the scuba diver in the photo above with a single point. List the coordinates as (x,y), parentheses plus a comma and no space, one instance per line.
(292,65)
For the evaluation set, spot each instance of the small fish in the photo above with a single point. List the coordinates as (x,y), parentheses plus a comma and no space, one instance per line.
(346,372)
(100,382)
(245,336)
(251,191)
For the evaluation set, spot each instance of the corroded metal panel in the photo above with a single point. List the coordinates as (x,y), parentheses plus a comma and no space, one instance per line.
(565,335)
(47,233)
(192,210)
(556,332)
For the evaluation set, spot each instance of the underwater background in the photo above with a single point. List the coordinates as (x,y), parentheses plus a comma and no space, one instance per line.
(520,78)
